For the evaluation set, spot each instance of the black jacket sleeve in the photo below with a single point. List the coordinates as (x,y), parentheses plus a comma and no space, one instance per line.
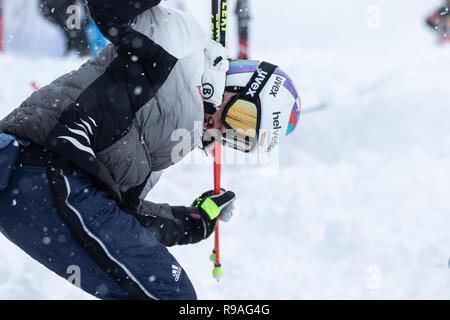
(113,18)
(174,225)
(169,227)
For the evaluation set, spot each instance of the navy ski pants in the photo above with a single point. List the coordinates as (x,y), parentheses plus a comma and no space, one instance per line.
(83,236)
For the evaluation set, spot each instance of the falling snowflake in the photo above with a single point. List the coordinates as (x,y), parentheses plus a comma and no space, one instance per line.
(137,90)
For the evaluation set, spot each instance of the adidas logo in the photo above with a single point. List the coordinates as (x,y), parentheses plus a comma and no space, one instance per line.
(176,272)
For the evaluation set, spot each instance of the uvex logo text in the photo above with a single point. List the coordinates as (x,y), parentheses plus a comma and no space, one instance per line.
(276,86)
(257,83)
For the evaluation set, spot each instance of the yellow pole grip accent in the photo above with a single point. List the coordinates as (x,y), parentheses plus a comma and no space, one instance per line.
(211,208)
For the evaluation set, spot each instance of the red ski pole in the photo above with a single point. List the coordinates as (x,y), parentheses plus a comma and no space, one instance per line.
(219,27)
(217,271)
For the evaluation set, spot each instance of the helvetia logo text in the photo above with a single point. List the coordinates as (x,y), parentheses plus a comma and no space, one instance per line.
(276,130)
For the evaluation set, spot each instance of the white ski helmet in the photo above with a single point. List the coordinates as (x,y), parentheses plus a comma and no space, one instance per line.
(266,109)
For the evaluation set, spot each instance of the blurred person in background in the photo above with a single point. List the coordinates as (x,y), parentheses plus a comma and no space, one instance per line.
(82,35)
(56,12)
(440,21)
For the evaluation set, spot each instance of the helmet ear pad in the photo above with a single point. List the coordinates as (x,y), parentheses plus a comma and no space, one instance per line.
(209,108)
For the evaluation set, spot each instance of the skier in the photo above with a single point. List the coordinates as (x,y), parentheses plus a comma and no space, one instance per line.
(440,21)
(243,14)
(79,156)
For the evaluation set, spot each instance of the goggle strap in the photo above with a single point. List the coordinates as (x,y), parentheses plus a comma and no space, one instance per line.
(258,80)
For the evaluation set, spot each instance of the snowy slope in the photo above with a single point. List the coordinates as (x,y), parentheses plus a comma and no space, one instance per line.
(359,205)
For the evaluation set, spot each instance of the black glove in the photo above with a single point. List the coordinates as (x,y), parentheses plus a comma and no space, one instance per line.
(184,225)
(200,219)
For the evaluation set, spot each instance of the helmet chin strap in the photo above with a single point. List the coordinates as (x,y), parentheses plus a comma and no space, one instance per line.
(209,107)
(207,141)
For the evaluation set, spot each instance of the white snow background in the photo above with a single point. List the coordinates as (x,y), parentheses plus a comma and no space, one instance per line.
(359,207)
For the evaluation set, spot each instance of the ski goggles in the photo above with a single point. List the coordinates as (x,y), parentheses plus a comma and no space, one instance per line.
(242,118)
(242,115)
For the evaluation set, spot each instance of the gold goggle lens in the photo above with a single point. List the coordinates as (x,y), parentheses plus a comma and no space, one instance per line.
(242,118)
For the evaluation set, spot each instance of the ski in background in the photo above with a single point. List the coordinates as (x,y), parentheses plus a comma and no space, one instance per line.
(243,14)
(315,108)
(440,22)
(34,85)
